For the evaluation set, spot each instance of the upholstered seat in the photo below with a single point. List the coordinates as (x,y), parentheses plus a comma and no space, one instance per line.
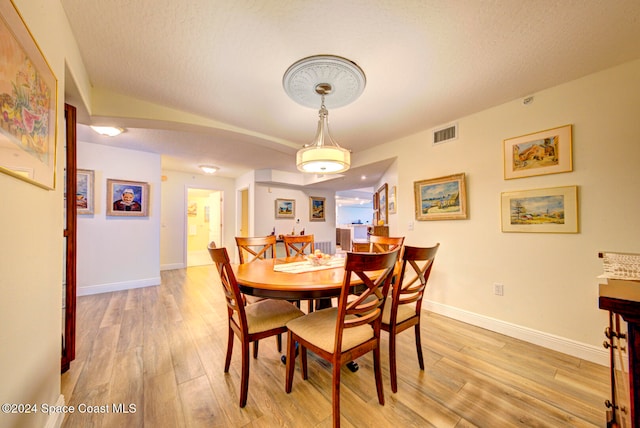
(319,328)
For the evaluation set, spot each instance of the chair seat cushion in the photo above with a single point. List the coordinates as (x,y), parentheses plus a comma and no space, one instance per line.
(269,314)
(319,328)
(404,312)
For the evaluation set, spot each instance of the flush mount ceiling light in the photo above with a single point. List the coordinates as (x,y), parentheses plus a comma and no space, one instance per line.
(208,169)
(338,82)
(109,131)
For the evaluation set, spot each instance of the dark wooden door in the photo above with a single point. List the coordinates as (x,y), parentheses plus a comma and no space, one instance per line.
(69,330)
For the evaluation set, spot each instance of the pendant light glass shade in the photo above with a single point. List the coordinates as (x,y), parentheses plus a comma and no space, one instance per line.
(323,155)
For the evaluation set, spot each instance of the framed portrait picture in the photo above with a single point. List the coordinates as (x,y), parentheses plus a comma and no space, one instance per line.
(28,90)
(552,210)
(383,207)
(316,208)
(540,153)
(84,191)
(127,198)
(442,198)
(392,200)
(285,208)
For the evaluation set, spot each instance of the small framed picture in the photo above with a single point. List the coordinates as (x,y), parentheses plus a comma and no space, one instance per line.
(392,200)
(127,198)
(540,153)
(285,208)
(383,206)
(442,198)
(316,208)
(552,210)
(84,191)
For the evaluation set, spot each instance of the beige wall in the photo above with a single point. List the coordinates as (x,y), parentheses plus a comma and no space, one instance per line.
(173,216)
(550,284)
(31,254)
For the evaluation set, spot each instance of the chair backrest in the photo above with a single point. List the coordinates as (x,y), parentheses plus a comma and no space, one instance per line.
(383,244)
(250,249)
(420,260)
(298,245)
(232,295)
(375,271)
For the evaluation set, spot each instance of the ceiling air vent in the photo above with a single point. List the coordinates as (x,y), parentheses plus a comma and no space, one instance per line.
(443,135)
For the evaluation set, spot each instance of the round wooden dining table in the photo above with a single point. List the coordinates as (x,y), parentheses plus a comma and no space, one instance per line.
(259,278)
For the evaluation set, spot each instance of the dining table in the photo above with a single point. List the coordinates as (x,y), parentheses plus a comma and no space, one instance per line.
(295,278)
(291,278)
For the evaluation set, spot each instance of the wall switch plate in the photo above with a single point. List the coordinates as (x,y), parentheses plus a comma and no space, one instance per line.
(498,289)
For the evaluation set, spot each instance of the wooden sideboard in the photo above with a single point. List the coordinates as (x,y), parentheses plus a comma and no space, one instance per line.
(622,298)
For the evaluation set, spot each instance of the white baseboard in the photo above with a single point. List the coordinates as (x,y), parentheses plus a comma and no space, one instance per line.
(172,266)
(117,286)
(591,353)
(55,419)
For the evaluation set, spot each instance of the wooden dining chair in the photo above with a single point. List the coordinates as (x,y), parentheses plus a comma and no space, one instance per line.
(251,249)
(254,248)
(339,335)
(298,245)
(249,323)
(383,244)
(402,308)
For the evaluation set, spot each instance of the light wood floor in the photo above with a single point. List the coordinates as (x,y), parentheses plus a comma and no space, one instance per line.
(162,349)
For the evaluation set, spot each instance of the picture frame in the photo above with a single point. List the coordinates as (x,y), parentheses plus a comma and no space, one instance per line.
(549,210)
(539,153)
(383,206)
(85,191)
(317,207)
(392,200)
(127,198)
(285,208)
(442,198)
(29,94)
(192,209)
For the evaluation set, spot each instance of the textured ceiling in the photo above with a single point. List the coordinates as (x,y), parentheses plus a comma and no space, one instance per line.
(427,63)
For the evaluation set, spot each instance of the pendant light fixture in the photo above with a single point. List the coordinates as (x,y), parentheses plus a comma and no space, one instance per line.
(338,82)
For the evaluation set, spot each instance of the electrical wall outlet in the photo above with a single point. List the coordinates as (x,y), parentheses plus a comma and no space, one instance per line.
(498,289)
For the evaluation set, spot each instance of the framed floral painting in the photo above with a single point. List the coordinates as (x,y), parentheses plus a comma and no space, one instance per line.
(28,96)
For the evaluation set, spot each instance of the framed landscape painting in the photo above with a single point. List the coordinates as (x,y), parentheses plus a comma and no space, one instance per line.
(442,198)
(127,198)
(84,191)
(552,210)
(540,153)
(28,96)
(316,208)
(285,208)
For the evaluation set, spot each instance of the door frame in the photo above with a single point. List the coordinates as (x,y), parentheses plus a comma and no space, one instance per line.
(186,218)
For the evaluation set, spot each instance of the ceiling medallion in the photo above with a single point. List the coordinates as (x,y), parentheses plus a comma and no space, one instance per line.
(338,82)
(344,76)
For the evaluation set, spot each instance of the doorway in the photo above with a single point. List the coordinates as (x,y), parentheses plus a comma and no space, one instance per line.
(204,224)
